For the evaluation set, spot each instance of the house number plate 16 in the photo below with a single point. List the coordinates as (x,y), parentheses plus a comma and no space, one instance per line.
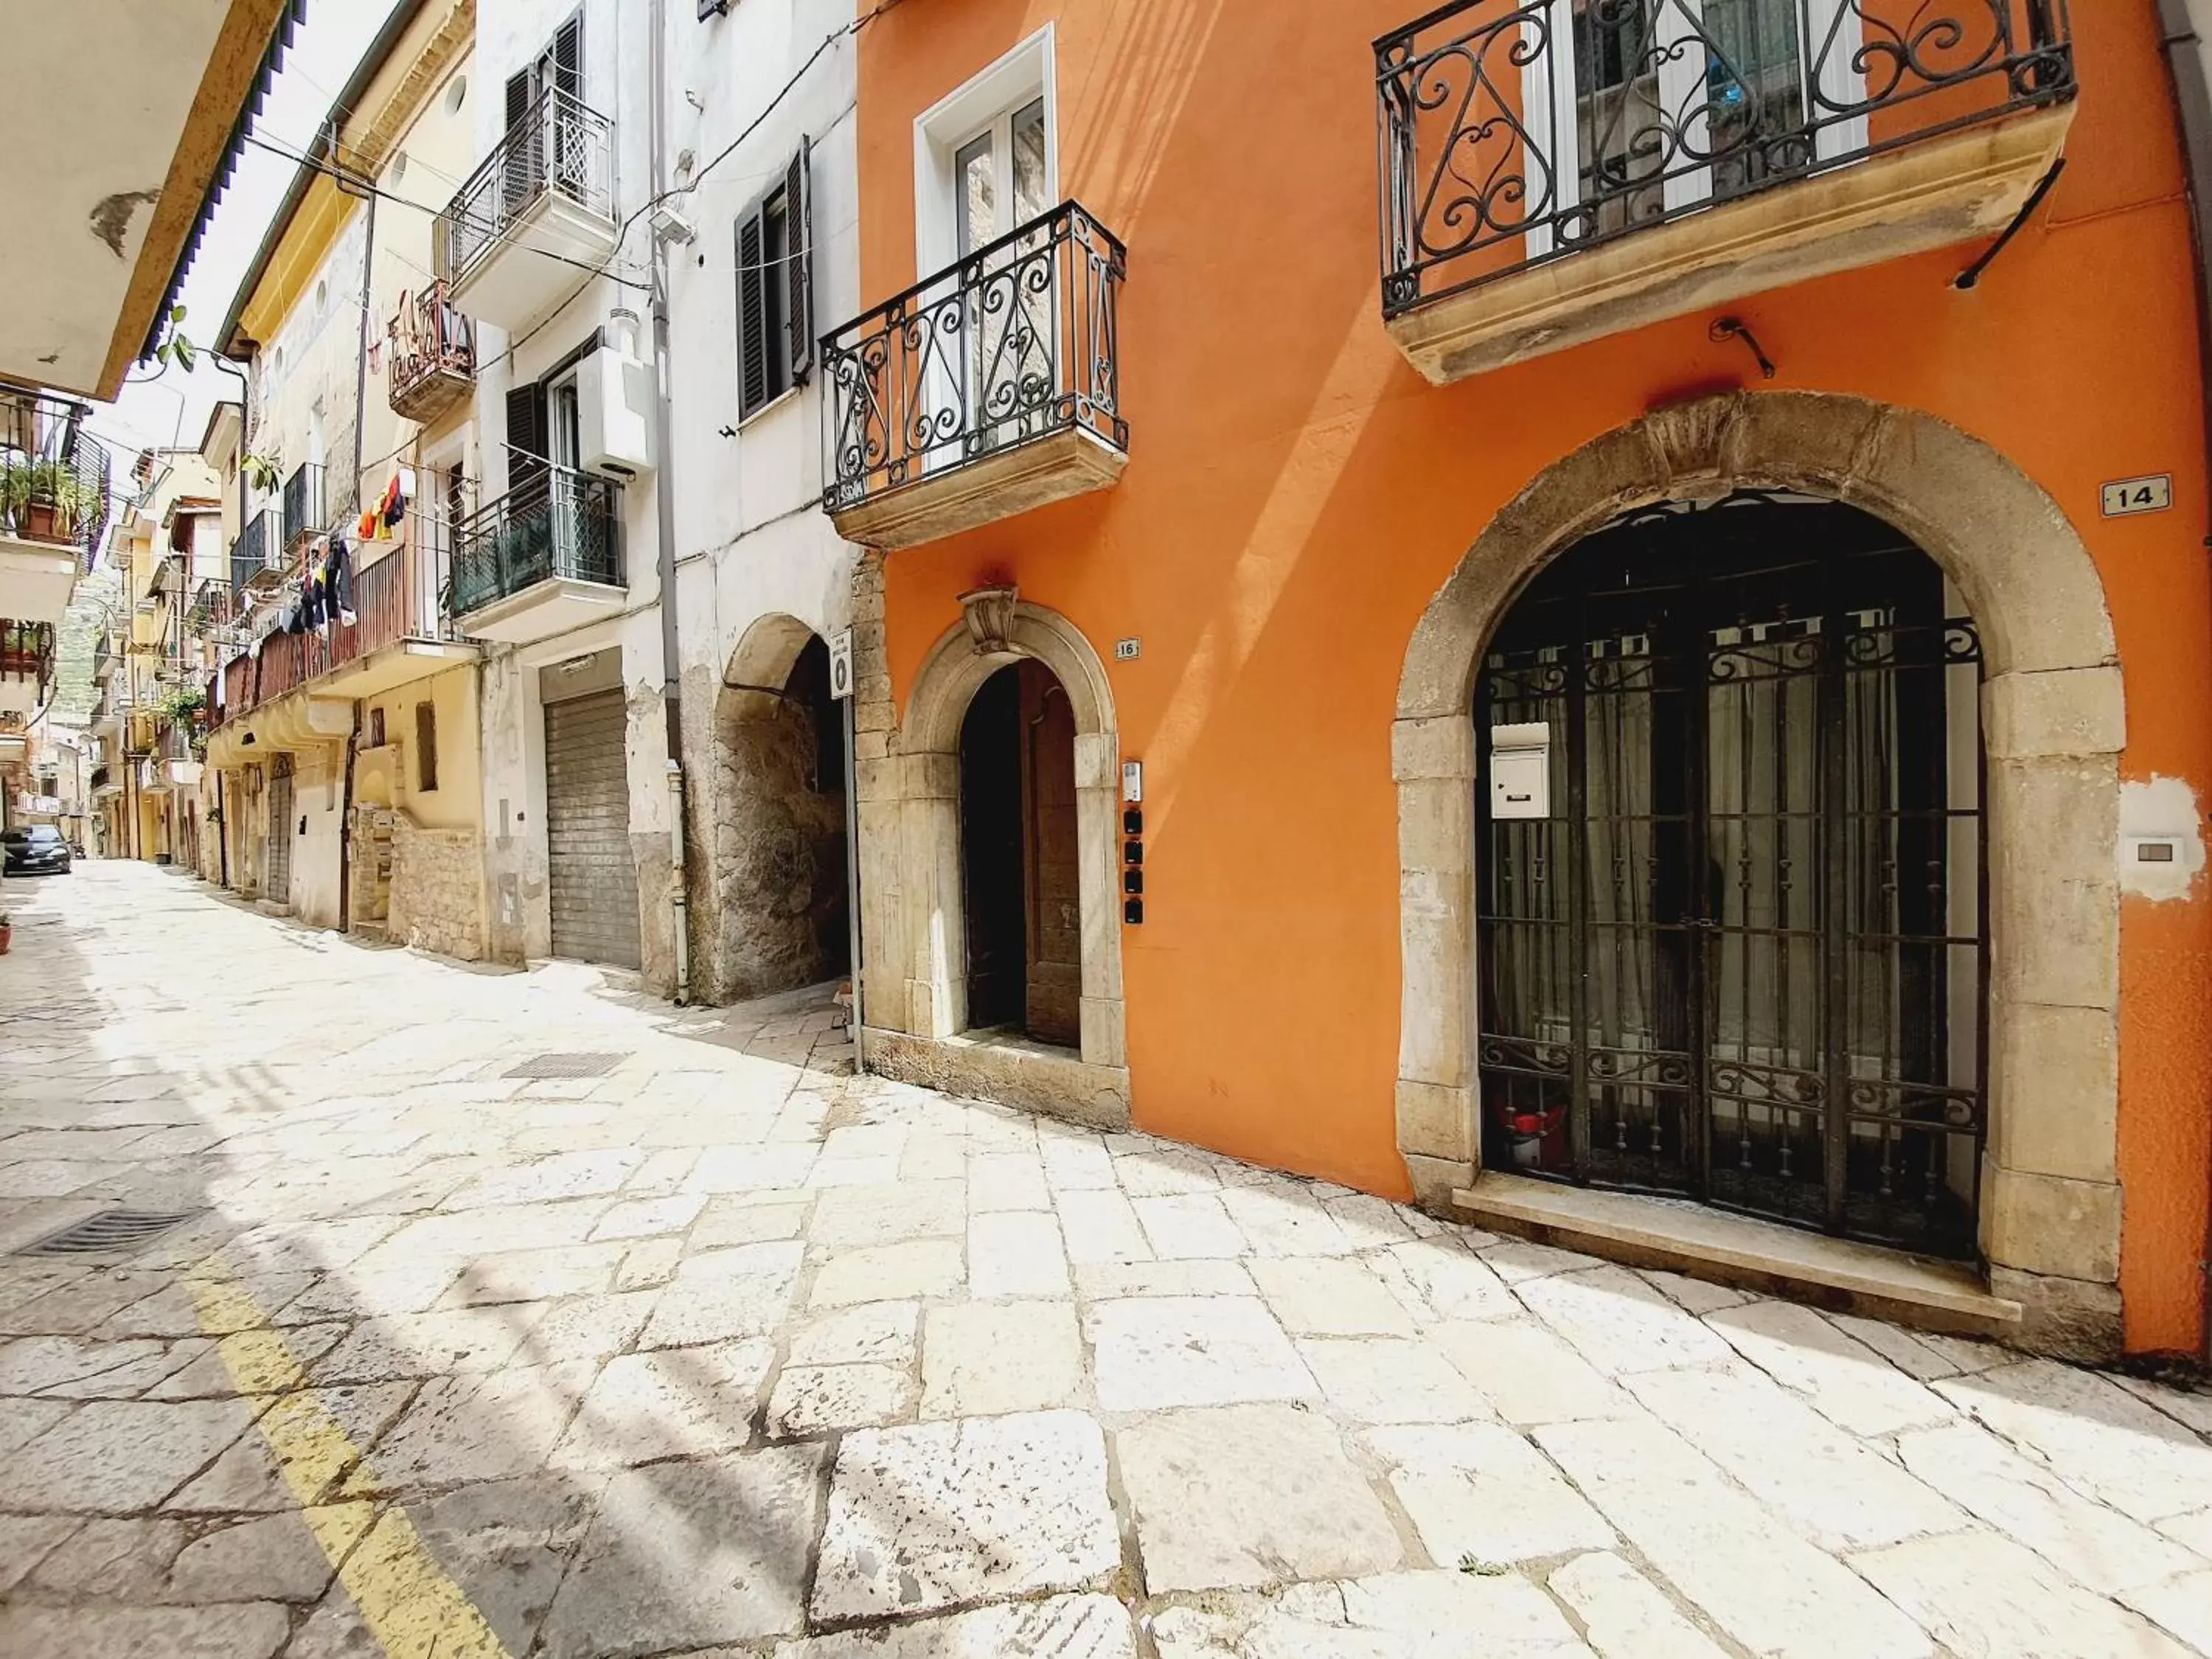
(2151,494)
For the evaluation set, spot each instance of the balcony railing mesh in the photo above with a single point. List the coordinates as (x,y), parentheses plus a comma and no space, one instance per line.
(1515,131)
(1015,343)
(27,653)
(306,513)
(53,473)
(552,522)
(258,556)
(557,145)
(434,358)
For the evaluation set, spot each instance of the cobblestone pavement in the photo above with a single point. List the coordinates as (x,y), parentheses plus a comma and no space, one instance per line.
(689,1344)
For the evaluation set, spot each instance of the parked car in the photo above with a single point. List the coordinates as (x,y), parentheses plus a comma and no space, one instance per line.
(38,850)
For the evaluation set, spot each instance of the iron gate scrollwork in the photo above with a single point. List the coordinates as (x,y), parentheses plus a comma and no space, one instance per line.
(1513,131)
(1742,957)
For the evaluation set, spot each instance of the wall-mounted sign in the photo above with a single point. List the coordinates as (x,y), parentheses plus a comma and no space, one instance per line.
(841,664)
(2153,494)
(1133,781)
(1128,650)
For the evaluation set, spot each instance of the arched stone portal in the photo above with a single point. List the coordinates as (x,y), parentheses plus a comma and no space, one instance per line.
(915,932)
(777,835)
(2053,726)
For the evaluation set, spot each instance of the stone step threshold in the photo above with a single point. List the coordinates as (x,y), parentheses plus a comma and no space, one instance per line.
(1736,1250)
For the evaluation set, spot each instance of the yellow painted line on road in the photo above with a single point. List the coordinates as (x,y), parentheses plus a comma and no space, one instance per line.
(409,1605)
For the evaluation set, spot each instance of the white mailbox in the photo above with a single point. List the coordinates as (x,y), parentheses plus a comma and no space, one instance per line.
(1521,771)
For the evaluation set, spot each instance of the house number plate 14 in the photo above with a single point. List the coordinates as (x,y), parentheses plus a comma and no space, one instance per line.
(2151,494)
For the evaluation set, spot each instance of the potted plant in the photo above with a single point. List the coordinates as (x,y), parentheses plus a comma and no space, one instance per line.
(46,500)
(7,931)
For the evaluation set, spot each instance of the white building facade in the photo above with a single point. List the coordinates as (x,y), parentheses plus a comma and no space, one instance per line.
(592,497)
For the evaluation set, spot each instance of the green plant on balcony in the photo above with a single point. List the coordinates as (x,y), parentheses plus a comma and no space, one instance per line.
(180,705)
(45,501)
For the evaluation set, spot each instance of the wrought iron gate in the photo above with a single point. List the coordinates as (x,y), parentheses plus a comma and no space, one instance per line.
(1738,954)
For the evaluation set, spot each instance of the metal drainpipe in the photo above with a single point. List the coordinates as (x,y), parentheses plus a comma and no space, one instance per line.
(664,495)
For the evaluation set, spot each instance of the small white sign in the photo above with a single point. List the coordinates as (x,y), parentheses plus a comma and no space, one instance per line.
(2153,494)
(841,664)
(1133,783)
(1128,650)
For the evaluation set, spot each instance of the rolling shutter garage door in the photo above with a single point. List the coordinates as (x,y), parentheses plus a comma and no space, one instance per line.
(277,884)
(593,877)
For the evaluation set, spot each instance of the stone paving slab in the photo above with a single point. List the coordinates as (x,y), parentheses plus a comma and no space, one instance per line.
(729,1354)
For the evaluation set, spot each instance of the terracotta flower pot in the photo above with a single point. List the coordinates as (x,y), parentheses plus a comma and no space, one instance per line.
(7,938)
(35,522)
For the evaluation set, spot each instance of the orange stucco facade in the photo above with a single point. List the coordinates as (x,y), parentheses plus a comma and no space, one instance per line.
(1295,494)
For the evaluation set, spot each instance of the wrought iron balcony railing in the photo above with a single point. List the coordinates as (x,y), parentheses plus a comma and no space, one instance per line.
(27,653)
(559,147)
(553,522)
(257,557)
(174,744)
(1518,132)
(306,515)
(434,357)
(215,609)
(1017,341)
(53,474)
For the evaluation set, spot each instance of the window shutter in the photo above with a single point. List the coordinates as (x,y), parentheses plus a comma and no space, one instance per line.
(526,435)
(798,253)
(752,316)
(568,58)
(517,101)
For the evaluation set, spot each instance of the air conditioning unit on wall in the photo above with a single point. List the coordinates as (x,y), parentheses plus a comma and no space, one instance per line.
(614,414)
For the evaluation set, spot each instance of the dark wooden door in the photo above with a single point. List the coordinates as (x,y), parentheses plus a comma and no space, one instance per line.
(1049,873)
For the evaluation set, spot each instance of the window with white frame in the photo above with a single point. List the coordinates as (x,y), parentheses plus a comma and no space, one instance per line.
(987,165)
(987,156)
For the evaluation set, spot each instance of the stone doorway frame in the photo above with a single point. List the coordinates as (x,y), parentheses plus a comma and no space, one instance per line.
(2053,726)
(913,923)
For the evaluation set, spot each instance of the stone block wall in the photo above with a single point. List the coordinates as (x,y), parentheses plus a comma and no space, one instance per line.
(437,901)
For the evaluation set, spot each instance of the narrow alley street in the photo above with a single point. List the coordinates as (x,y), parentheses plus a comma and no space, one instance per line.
(520,1314)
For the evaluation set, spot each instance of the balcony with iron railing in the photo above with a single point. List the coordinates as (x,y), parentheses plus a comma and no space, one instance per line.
(1552,171)
(54,502)
(434,360)
(541,204)
(27,665)
(306,513)
(543,559)
(984,390)
(258,561)
(400,631)
(216,609)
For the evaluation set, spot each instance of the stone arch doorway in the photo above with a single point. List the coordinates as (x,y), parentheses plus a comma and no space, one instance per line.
(918,935)
(2053,726)
(1729,857)
(778,836)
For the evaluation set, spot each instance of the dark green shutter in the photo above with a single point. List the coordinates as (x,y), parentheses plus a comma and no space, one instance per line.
(798,252)
(753,343)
